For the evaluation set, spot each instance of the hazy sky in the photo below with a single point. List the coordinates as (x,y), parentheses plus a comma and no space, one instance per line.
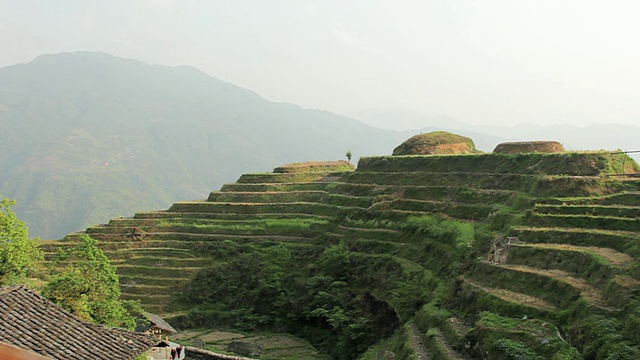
(481,61)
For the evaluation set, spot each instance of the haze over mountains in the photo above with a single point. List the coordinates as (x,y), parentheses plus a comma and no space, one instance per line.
(85,137)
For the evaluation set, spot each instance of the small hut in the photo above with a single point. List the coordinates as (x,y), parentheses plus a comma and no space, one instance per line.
(156,326)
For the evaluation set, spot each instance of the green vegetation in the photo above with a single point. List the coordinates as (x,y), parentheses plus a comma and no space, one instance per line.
(496,256)
(18,253)
(88,287)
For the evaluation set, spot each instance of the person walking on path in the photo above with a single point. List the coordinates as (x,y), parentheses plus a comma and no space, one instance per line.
(178,351)
(173,353)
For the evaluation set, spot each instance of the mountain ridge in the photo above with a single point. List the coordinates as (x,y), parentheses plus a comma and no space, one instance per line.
(101,122)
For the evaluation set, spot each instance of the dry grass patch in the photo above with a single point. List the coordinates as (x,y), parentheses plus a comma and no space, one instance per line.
(220,336)
(626,281)
(511,296)
(588,292)
(529,147)
(612,256)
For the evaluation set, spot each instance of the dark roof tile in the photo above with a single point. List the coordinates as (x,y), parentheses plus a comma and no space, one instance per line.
(32,322)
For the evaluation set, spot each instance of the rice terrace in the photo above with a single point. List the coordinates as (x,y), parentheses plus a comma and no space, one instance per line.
(438,252)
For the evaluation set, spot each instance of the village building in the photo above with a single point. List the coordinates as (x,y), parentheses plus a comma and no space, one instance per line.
(156,326)
(31,322)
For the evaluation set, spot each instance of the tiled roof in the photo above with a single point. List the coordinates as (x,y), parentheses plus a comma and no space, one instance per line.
(32,322)
(159,322)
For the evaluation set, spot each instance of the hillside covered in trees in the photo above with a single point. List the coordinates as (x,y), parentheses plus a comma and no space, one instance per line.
(480,255)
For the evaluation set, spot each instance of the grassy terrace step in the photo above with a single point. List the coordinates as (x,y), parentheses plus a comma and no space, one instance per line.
(267,197)
(621,241)
(294,227)
(203,238)
(161,271)
(585,221)
(471,297)
(453,179)
(129,222)
(373,246)
(199,216)
(457,194)
(132,280)
(549,185)
(180,253)
(585,263)
(301,230)
(171,262)
(148,243)
(621,290)
(149,299)
(512,297)
(587,292)
(362,233)
(119,230)
(524,280)
(266,178)
(252,208)
(628,183)
(388,216)
(348,201)
(144,289)
(456,210)
(630,198)
(52,246)
(609,256)
(594,210)
(573,163)
(274,187)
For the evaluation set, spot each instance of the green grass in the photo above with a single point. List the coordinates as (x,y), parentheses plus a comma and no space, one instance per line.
(593,210)
(296,186)
(573,163)
(269,178)
(585,221)
(557,293)
(267,197)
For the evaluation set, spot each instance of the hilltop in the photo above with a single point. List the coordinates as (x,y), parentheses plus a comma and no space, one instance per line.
(484,255)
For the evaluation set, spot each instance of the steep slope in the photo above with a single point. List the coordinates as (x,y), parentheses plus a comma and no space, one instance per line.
(499,256)
(79,128)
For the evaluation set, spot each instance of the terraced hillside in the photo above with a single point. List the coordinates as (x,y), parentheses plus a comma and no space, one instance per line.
(499,256)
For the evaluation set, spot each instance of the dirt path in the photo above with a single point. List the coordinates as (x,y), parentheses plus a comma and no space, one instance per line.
(415,340)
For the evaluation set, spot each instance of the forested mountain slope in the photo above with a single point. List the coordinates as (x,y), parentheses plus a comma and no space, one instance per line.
(486,256)
(85,137)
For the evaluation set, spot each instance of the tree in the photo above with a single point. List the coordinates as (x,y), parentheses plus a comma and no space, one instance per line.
(88,287)
(349,155)
(18,253)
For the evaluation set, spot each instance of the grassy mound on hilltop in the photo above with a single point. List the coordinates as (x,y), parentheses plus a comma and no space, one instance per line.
(436,143)
(529,147)
(314,166)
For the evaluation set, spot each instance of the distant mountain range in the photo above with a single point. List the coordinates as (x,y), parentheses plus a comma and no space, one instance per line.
(592,137)
(86,137)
